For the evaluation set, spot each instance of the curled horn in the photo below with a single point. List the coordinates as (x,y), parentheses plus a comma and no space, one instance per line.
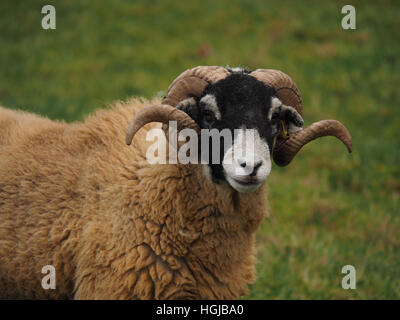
(159,113)
(190,82)
(286,149)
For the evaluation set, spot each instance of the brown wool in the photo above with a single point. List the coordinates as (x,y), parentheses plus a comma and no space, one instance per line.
(75,196)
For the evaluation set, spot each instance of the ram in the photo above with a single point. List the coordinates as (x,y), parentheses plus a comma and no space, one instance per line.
(114,226)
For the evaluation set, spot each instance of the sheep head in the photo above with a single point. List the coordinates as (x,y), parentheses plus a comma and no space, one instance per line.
(212,97)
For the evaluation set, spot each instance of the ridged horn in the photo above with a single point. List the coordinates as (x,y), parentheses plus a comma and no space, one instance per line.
(192,82)
(188,83)
(286,149)
(284,86)
(159,113)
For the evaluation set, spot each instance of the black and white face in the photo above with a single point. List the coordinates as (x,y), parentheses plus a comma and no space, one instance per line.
(251,111)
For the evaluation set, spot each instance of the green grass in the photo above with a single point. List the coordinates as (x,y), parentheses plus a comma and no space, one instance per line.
(328,209)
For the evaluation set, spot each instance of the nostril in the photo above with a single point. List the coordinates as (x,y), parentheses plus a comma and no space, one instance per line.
(255,169)
(251,169)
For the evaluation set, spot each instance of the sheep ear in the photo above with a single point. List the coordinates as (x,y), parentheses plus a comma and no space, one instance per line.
(189,106)
(292,119)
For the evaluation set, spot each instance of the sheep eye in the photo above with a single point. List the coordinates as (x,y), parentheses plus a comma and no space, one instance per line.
(208,116)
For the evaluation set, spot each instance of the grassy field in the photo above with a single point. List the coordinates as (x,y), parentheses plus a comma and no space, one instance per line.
(328,209)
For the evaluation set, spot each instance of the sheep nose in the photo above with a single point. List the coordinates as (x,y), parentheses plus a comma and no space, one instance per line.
(252,168)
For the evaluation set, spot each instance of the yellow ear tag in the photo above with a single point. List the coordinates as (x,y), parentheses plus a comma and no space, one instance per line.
(285,134)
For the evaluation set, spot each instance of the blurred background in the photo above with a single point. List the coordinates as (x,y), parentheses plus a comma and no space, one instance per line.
(328,208)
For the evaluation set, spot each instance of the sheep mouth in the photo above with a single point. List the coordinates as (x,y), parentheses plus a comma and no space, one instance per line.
(245,184)
(247,181)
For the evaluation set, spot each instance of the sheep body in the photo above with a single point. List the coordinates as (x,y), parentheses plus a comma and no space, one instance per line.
(114,226)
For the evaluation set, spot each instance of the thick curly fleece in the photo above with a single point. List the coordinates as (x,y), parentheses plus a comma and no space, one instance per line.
(114,226)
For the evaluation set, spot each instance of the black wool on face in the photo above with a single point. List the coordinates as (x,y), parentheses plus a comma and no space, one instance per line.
(243,102)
